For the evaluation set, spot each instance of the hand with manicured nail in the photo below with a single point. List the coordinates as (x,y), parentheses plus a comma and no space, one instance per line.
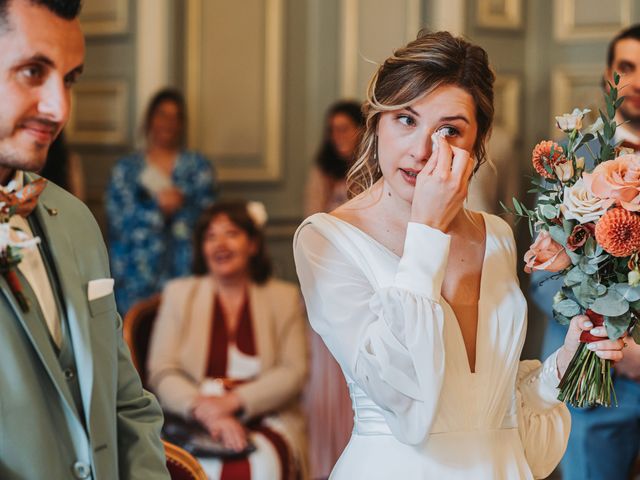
(605,348)
(441,186)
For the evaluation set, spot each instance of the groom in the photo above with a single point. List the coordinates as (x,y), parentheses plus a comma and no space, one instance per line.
(71,403)
(616,430)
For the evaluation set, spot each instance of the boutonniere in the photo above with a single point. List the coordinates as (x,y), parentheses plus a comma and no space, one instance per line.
(12,239)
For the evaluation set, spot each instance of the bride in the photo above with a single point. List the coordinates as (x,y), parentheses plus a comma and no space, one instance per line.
(418,299)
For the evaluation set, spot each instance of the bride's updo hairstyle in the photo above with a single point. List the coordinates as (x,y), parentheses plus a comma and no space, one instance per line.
(430,61)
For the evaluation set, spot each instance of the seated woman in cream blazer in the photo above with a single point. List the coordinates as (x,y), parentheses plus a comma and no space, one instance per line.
(229,349)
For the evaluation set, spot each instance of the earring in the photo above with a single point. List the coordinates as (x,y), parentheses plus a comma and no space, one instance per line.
(375,148)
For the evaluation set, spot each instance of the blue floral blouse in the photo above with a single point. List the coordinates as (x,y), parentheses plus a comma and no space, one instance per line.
(146,249)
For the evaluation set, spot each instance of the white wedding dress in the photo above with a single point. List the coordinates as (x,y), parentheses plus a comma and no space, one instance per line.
(419,411)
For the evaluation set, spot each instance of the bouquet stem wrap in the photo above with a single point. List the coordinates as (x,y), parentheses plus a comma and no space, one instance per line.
(587,381)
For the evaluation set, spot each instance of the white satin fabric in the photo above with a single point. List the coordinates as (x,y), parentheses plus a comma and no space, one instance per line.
(419,411)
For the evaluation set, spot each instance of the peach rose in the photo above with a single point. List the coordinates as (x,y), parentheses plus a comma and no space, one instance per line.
(546,254)
(617,180)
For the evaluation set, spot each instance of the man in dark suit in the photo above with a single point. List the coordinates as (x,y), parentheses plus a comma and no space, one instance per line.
(72,405)
(613,432)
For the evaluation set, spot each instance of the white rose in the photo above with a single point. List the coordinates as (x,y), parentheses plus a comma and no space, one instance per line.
(581,205)
(571,121)
(564,171)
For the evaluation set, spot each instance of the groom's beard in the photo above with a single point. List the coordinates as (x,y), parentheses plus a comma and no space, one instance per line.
(631,119)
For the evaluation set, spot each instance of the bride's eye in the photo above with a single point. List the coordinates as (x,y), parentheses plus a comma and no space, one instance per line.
(406,120)
(449,131)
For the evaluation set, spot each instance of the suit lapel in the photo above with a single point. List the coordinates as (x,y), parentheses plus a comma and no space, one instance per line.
(201,305)
(73,290)
(259,305)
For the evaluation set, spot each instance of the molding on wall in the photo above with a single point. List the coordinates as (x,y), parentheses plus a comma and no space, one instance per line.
(510,18)
(152,51)
(350,33)
(565,28)
(97,21)
(99,113)
(448,15)
(508,90)
(270,168)
(563,86)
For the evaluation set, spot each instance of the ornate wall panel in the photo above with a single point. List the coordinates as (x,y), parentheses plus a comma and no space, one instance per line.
(507,103)
(99,113)
(107,17)
(501,14)
(578,87)
(576,20)
(371,30)
(234,86)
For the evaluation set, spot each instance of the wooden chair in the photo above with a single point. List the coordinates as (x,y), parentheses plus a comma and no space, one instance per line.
(181,464)
(635,471)
(138,324)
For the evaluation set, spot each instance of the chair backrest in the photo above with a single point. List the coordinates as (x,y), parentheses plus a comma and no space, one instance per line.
(138,324)
(181,464)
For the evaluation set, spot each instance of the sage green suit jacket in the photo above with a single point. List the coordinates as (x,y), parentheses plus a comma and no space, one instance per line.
(43,435)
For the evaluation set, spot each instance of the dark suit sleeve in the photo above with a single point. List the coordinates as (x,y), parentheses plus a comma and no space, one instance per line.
(140,451)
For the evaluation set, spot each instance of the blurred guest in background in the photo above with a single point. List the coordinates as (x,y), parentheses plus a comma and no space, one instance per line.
(326,186)
(326,400)
(153,201)
(64,168)
(229,349)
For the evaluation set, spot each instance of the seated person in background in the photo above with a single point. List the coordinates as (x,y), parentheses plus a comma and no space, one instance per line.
(153,201)
(229,348)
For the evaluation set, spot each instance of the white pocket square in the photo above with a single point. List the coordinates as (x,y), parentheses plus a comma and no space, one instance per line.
(99,288)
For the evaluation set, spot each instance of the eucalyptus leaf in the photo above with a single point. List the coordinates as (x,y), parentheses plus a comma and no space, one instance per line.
(585,139)
(598,259)
(587,267)
(612,304)
(636,334)
(631,294)
(617,326)
(548,211)
(575,257)
(558,234)
(574,277)
(561,319)
(567,308)
(590,247)
(582,296)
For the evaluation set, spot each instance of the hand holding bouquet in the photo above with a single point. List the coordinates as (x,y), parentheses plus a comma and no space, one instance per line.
(588,231)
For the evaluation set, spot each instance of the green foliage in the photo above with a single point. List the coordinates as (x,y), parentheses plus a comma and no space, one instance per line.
(567,308)
(611,304)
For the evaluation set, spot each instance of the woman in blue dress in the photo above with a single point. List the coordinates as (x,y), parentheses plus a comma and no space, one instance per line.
(153,200)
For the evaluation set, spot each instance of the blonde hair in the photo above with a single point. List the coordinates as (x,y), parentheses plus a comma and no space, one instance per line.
(412,72)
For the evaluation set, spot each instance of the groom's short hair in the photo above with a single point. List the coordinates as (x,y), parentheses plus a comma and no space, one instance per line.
(632,32)
(67,9)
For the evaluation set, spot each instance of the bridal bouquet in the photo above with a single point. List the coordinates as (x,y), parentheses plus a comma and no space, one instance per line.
(588,232)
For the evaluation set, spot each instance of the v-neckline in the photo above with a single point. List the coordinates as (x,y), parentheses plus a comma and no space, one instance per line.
(480,318)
